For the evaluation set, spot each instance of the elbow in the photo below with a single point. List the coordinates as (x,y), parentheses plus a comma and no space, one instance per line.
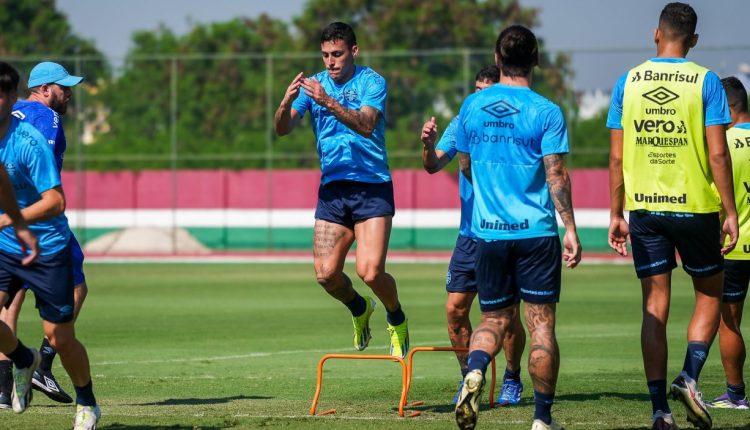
(431,169)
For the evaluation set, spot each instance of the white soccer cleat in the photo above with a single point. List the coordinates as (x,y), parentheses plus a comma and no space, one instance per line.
(541,425)
(86,417)
(22,394)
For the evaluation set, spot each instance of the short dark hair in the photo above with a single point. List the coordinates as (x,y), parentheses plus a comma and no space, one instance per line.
(8,78)
(339,31)
(489,73)
(736,93)
(517,49)
(678,20)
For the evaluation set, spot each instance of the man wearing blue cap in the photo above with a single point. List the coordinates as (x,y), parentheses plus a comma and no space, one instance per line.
(50,87)
(34,169)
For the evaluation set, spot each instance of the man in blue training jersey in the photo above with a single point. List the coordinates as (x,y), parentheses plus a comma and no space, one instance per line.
(670,168)
(50,86)
(35,176)
(460,281)
(736,262)
(355,199)
(511,142)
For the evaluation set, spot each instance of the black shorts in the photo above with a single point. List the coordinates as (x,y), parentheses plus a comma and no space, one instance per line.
(50,277)
(347,202)
(511,270)
(461,276)
(736,279)
(656,235)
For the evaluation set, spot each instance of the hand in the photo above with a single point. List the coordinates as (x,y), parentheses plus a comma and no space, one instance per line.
(28,243)
(292,90)
(429,133)
(731,229)
(571,249)
(619,234)
(315,90)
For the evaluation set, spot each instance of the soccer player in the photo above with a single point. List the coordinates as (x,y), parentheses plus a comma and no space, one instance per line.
(670,165)
(510,143)
(50,86)
(35,177)
(461,282)
(355,198)
(737,262)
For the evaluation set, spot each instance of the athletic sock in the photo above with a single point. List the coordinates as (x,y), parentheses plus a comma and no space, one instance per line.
(22,357)
(695,358)
(357,306)
(396,317)
(657,390)
(736,392)
(543,403)
(6,376)
(85,395)
(512,374)
(48,355)
(479,360)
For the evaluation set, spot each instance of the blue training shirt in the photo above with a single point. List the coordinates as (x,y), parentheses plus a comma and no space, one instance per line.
(715,107)
(32,169)
(47,121)
(507,130)
(345,154)
(447,144)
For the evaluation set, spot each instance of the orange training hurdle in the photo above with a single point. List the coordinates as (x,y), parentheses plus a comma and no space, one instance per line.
(404,382)
(410,370)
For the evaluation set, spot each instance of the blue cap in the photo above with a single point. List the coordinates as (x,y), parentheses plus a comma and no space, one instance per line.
(52,73)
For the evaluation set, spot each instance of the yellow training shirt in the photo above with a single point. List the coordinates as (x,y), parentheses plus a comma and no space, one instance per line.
(738,139)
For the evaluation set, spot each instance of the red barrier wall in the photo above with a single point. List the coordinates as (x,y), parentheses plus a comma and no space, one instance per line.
(278,189)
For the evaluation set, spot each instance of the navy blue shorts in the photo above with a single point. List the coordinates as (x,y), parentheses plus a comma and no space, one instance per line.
(50,277)
(347,202)
(511,270)
(461,277)
(736,279)
(655,236)
(76,254)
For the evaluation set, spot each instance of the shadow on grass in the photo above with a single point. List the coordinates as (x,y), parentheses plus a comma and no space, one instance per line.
(194,401)
(585,397)
(117,426)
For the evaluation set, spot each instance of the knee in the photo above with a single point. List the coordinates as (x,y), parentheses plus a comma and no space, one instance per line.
(457,311)
(62,342)
(370,274)
(327,278)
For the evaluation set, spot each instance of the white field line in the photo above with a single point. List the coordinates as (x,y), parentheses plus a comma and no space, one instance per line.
(294,351)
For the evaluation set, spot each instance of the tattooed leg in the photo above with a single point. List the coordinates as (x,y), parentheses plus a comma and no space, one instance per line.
(331,242)
(488,337)
(457,310)
(544,355)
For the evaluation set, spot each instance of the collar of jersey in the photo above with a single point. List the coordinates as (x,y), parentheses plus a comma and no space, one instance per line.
(669,60)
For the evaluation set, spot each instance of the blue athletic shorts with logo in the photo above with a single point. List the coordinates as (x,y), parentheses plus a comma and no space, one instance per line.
(656,235)
(76,253)
(511,270)
(736,279)
(348,202)
(461,276)
(50,277)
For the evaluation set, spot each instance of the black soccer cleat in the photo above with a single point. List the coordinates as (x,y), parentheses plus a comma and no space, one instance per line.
(45,382)
(5,401)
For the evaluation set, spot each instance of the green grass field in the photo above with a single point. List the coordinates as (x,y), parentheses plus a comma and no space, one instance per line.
(236,346)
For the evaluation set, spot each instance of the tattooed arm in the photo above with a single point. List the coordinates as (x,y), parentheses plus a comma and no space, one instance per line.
(464,163)
(362,121)
(558,182)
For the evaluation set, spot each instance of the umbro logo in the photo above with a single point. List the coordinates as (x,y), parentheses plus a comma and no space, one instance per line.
(51,385)
(500,109)
(661,96)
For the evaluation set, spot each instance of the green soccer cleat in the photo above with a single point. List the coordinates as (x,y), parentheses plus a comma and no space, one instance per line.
(399,339)
(362,325)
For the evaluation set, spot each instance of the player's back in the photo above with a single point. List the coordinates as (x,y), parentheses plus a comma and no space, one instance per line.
(508,130)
